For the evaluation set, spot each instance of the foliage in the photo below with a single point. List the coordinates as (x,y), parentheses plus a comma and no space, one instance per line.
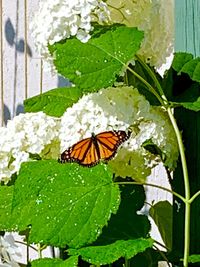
(88,211)
(97,63)
(161,213)
(53,195)
(71,262)
(101,255)
(194,258)
(53,102)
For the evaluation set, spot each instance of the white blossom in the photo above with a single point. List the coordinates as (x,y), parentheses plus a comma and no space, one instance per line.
(117,109)
(109,109)
(10,252)
(155,18)
(61,19)
(26,134)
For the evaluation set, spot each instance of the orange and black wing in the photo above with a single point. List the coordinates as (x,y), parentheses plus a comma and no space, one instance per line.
(108,143)
(78,152)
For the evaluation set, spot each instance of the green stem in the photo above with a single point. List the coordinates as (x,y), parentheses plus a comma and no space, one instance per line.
(194,196)
(164,102)
(127,263)
(39,251)
(161,245)
(162,255)
(148,85)
(155,80)
(25,244)
(155,185)
(187,188)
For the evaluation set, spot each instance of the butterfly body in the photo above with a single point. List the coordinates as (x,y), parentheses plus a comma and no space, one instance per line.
(90,151)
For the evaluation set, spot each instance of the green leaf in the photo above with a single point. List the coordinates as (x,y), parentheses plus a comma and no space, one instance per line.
(101,255)
(194,258)
(95,64)
(180,84)
(184,62)
(63,204)
(195,106)
(161,213)
(6,197)
(53,102)
(71,262)
(180,59)
(126,224)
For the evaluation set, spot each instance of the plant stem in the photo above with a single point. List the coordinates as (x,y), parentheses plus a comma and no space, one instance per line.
(164,102)
(187,188)
(39,251)
(155,241)
(151,89)
(25,244)
(154,78)
(194,196)
(162,255)
(157,186)
(127,263)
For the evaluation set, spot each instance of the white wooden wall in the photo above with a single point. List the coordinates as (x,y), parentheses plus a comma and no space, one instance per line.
(21,75)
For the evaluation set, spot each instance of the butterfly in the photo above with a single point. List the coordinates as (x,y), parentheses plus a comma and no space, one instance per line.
(90,151)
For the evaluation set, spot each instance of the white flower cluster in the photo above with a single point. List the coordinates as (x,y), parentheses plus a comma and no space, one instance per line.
(155,18)
(26,134)
(117,109)
(9,251)
(114,108)
(60,19)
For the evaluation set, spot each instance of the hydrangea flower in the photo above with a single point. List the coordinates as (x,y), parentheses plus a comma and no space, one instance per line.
(60,19)
(26,134)
(155,18)
(117,109)
(10,252)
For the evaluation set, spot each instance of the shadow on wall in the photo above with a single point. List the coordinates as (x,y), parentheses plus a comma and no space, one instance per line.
(19,46)
(10,35)
(7,114)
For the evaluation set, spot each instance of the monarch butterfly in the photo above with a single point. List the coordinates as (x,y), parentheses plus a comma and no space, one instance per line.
(89,151)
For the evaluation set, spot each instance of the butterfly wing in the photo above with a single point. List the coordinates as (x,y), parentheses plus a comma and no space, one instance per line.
(77,152)
(108,143)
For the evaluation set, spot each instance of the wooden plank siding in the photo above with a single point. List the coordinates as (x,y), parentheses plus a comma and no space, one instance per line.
(21,68)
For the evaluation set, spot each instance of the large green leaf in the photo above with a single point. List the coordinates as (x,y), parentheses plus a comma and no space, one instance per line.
(184,62)
(127,224)
(100,255)
(53,102)
(161,213)
(71,262)
(63,204)
(95,64)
